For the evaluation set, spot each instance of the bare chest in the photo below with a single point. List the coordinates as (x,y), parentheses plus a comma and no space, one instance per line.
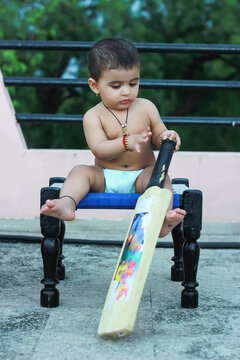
(134,124)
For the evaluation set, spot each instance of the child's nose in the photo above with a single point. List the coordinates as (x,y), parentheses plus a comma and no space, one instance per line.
(125,90)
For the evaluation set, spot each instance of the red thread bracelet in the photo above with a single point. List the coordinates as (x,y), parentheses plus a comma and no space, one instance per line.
(124,140)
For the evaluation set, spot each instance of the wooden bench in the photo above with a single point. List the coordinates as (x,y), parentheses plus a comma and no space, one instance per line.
(185,236)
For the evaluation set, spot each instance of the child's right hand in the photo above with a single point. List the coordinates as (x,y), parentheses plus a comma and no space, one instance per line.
(136,141)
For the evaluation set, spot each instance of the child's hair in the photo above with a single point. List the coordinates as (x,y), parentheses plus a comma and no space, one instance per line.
(112,54)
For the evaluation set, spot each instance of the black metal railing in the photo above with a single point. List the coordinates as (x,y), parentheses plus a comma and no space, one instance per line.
(210,49)
(144,83)
(173,120)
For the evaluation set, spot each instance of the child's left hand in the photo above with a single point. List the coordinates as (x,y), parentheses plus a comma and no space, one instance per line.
(172,135)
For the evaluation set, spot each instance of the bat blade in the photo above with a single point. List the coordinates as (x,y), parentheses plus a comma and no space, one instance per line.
(125,291)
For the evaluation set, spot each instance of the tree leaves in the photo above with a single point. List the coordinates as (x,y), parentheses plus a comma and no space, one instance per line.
(167,21)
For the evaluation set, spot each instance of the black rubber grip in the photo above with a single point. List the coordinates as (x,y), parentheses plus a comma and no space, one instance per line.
(162,164)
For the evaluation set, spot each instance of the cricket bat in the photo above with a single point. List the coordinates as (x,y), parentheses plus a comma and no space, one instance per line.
(125,291)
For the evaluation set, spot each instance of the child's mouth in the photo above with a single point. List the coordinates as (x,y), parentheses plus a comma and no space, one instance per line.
(124,102)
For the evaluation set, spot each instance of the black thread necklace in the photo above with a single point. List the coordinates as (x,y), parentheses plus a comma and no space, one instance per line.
(123,126)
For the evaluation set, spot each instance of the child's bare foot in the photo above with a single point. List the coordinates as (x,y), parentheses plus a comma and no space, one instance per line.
(172,219)
(63,209)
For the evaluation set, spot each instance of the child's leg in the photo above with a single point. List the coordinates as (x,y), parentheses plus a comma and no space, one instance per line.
(79,182)
(173,217)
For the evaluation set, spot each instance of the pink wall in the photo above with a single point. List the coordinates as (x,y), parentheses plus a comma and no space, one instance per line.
(24,171)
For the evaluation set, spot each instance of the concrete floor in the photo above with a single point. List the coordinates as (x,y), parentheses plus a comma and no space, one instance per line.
(163,329)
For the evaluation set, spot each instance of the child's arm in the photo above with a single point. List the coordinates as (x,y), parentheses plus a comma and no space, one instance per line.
(106,149)
(97,140)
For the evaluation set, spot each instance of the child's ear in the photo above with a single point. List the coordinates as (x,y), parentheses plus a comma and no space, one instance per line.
(93,85)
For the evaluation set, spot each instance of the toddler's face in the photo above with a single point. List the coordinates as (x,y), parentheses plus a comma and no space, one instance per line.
(119,87)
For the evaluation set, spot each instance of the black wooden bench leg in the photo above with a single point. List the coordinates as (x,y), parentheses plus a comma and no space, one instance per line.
(178,240)
(60,265)
(50,252)
(192,224)
(50,247)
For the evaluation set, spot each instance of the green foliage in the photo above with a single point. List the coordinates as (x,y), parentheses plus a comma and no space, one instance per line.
(166,21)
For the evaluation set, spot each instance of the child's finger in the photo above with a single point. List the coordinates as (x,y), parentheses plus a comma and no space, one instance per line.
(147,129)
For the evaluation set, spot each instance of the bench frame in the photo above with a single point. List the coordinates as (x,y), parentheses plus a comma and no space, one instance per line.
(185,236)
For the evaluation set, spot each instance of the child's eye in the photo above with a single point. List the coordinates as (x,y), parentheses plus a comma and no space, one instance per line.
(115,86)
(133,84)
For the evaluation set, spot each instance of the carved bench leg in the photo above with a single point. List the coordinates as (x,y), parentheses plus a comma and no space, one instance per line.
(178,241)
(60,265)
(192,225)
(50,247)
(50,252)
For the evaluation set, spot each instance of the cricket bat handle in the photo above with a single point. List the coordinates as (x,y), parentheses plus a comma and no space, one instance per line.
(162,164)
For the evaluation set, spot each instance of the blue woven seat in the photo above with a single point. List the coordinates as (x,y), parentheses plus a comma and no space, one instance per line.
(117,201)
(114,201)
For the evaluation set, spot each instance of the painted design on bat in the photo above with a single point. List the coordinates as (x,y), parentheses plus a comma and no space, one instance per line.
(127,269)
